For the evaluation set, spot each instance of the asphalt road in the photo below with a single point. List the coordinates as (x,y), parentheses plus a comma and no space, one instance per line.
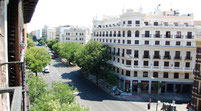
(89,94)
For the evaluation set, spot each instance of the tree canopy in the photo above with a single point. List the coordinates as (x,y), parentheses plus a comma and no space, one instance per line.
(50,43)
(69,49)
(30,43)
(41,40)
(37,58)
(60,97)
(57,47)
(93,57)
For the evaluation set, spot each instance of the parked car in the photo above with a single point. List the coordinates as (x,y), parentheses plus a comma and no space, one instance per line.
(47,69)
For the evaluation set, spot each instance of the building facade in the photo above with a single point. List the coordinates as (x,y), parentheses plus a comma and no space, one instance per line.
(36,33)
(60,32)
(51,33)
(14,14)
(44,31)
(76,34)
(151,53)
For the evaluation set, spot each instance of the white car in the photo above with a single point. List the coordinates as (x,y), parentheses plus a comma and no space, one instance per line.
(47,69)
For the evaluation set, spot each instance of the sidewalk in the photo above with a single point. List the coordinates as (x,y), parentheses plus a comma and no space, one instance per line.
(143,98)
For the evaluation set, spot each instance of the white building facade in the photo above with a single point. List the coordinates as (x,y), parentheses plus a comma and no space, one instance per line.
(76,34)
(51,33)
(152,53)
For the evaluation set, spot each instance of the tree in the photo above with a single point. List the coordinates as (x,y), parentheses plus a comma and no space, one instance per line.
(68,51)
(37,58)
(50,43)
(93,58)
(60,97)
(57,47)
(41,40)
(30,43)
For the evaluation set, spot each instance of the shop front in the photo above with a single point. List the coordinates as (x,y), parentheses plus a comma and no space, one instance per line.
(127,85)
(135,85)
(144,86)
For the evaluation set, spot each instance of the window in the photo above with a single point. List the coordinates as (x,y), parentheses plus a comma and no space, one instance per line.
(128,41)
(178,34)
(122,61)
(155,23)
(146,63)
(128,73)
(189,35)
(146,42)
(146,23)
(188,55)
(124,22)
(188,43)
(166,64)
(129,22)
(136,41)
(135,73)
(118,41)
(114,34)
(157,34)
(135,63)
(119,33)
(177,55)
(178,43)
(176,24)
(122,72)
(146,54)
(114,40)
(128,33)
(186,76)
(165,23)
(157,42)
(165,75)
(137,33)
(110,33)
(187,64)
(113,58)
(176,75)
(136,54)
(155,74)
(117,70)
(128,62)
(123,41)
(167,35)
(123,34)
(156,63)
(145,74)
(128,51)
(146,33)
(167,42)
(137,22)
(176,64)
(118,60)
(110,40)
(156,55)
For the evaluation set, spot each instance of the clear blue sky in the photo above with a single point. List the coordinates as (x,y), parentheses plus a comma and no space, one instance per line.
(82,12)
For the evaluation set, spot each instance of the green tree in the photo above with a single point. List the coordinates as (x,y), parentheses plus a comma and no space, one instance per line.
(93,58)
(41,40)
(50,43)
(37,58)
(69,50)
(59,97)
(30,43)
(57,47)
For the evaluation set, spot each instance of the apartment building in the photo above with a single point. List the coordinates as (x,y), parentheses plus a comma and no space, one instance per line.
(60,32)
(76,34)
(51,33)
(44,31)
(14,14)
(151,53)
(37,34)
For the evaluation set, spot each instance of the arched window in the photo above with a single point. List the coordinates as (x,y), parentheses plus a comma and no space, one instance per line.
(137,33)
(128,33)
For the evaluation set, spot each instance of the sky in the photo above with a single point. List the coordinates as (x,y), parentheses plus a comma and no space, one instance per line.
(81,12)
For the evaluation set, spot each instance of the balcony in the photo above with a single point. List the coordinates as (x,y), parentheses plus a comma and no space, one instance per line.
(157,36)
(167,57)
(188,58)
(146,56)
(17,97)
(119,35)
(156,57)
(168,36)
(146,36)
(178,57)
(189,37)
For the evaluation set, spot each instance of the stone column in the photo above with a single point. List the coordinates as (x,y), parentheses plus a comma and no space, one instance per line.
(159,90)
(149,86)
(139,89)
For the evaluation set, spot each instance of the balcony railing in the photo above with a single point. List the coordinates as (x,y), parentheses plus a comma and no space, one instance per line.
(177,57)
(146,36)
(156,57)
(17,97)
(157,36)
(167,57)
(188,58)
(189,36)
(146,56)
(168,36)
(179,36)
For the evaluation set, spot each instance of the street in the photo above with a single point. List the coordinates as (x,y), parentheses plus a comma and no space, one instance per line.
(89,94)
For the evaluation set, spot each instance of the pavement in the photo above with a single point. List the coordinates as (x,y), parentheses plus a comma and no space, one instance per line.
(180,99)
